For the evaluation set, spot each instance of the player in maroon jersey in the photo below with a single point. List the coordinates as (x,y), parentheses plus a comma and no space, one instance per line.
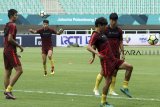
(108,61)
(47,48)
(11,59)
(114,35)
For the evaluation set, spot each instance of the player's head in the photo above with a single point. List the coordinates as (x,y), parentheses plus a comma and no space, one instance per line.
(113,19)
(101,23)
(12,14)
(45,24)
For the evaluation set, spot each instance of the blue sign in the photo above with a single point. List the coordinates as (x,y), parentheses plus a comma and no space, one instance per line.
(29,40)
(74,19)
(82,19)
(80,39)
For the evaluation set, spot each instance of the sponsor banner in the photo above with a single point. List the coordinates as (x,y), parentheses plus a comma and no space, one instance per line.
(138,39)
(75,19)
(19,40)
(29,40)
(83,39)
(81,19)
(65,40)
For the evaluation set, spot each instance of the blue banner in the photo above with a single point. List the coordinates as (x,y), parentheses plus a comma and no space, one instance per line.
(85,19)
(74,19)
(29,40)
(81,39)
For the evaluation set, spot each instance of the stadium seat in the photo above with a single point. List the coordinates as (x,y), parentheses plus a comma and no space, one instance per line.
(83,6)
(108,6)
(23,6)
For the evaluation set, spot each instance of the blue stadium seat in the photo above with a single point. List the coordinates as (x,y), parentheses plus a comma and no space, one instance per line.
(23,6)
(83,6)
(108,6)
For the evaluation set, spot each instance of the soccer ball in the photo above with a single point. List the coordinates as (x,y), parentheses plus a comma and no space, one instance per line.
(152,40)
(42,13)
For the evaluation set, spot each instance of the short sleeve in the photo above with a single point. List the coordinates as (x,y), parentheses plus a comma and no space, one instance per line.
(12,29)
(93,39)
(39,31)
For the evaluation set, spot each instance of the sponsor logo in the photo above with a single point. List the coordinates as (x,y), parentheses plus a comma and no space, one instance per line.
(143,39)
(19,40)
(38,41)
(127,39)
(141,52)
(78,39)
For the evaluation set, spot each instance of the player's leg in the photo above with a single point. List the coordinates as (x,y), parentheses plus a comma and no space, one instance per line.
(8,69)
(112,86)
(128,67)
(13,61)
(18,73)
(50,52)
(44,59)
(104,102)
(97,83)
(7,75)
(108,78)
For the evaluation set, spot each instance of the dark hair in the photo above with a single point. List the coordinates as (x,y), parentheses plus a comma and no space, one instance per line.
(12,12)
(101,21)
(46,21)
(113,16)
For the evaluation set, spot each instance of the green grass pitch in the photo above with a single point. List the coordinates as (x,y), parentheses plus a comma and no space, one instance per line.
(74,79)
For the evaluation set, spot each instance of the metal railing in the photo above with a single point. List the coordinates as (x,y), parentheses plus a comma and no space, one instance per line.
(124,31)
(90,31)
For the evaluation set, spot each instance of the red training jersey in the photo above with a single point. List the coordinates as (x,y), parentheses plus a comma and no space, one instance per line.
(101,42)
(10,28)
(114,37)
(46,36)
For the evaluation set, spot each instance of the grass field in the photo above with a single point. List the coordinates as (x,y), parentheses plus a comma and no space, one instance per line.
(73,82)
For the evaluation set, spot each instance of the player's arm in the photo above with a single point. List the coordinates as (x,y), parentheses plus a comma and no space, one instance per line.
(13,42)
(122,50)
(93,56)
(32,31)
(57,32)
(122,47)
(94,47)
(90,47)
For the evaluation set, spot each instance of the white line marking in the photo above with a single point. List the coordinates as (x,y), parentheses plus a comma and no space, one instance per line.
(84,95)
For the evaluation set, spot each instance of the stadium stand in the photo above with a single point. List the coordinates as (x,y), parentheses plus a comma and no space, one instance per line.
(108,6)
(52,6)
(83,6)
(23,6)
